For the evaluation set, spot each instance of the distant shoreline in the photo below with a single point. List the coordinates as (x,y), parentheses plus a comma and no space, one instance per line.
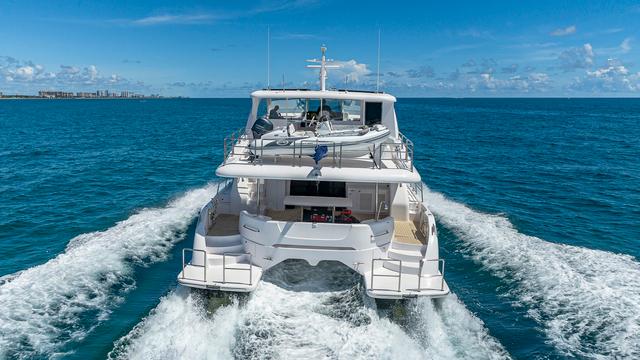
(74,98)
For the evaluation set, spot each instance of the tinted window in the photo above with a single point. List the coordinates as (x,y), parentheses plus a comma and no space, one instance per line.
(372,113)
(318,188)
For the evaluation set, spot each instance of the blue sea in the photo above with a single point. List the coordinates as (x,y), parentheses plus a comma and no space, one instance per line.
(537,200)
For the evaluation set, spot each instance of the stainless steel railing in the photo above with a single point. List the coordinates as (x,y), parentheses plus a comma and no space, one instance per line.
(230,142)
(418,191)
(400,153)
(440,270)
(204,267)
(225,268)
(373,274)
(239,144)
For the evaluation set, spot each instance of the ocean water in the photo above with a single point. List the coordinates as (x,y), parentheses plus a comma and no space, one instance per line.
(537,200)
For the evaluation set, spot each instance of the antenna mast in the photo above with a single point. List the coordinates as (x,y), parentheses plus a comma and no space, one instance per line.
(378,74)
(268,57)
(323,67)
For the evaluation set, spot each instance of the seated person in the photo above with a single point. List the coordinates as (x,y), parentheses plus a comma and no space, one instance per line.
(274,114)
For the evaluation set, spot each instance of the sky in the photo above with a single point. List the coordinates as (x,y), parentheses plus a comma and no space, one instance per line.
(219,48)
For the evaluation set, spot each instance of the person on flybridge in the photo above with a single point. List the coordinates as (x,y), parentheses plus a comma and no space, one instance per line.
(274,114)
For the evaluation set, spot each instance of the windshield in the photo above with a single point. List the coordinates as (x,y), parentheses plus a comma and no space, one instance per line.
(285,108)
(309,109)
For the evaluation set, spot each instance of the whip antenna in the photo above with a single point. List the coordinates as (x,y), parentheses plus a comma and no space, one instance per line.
(268,57)
(378,74)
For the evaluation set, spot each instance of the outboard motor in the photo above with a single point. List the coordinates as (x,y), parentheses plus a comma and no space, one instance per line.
(261,127)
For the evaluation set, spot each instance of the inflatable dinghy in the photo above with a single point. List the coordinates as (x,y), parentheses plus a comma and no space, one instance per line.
(352,142)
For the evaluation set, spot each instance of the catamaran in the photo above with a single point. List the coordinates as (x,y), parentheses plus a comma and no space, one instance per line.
(318,175)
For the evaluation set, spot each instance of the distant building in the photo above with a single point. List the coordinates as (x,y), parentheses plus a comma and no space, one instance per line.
(102,93)
(85,94)
(126,94)
(55,94)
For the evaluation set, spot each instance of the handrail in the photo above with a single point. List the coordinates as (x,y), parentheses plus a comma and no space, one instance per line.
(225,268)
(229,143)
(212,212)
(422,261)
(251,228)
(204,267)
(401,153)
(373,274)
(417,188)
(238,143)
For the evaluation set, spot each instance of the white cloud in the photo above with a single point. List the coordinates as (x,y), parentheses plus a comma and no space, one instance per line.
(534,82)
(24,73)
(564,31)
(424,71)
(174,19)
(352,69)
(206,17)
(16,74)
(614,77)
(612,30)
(482,66)
(614,67)
(577,58)
(69,70)
(625,46)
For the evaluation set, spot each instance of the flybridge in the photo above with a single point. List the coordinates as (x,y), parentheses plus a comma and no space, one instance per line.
(338,90)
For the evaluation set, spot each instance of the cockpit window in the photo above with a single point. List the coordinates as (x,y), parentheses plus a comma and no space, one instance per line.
(310,109)
(285,108)
(351,110)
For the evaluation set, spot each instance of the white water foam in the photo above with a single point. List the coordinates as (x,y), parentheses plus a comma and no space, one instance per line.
(305,313)
(48,306)
(448,327)
(179,328)
(587,301)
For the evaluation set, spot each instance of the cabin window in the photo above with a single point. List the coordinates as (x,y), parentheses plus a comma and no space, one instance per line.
(343,112)
(286,108)
(318,188)
(352,110)
(372,113)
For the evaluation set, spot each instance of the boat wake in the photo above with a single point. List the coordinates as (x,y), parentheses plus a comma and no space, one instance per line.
(301,311)
(47,307)
(587,301)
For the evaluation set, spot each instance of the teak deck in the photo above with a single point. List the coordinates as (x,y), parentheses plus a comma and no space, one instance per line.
(407,233)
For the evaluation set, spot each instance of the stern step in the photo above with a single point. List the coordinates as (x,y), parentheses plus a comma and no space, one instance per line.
(405,255)
(407,267)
